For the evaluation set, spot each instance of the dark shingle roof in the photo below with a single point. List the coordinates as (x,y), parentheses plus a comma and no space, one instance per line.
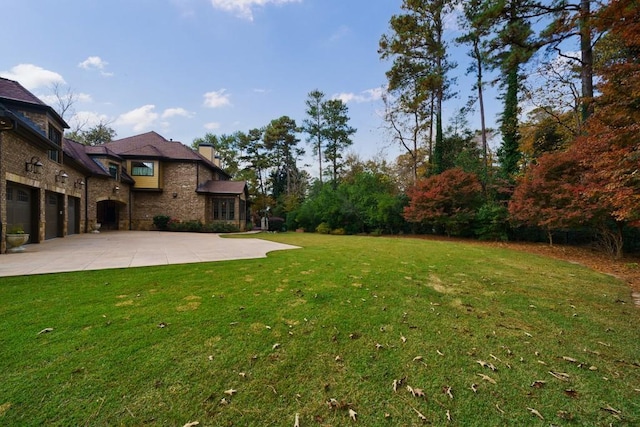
(78,152)
(153,145)
(222,187)
(13,90)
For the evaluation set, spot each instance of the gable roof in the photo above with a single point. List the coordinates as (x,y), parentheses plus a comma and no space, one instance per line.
(13,92)
(154,146)
(78,152)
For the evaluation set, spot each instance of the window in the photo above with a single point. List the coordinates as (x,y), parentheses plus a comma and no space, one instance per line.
(23,196)
(54,155)
(142,168)
(224,209)
(113,170)
(55,136)
(9,193)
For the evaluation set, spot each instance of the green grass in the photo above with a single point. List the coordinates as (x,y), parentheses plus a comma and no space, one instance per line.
(349,314)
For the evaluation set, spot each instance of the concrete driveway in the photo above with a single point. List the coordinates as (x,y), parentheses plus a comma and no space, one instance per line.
(120,249)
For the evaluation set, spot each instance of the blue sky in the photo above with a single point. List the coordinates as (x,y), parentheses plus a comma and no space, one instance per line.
(187,67)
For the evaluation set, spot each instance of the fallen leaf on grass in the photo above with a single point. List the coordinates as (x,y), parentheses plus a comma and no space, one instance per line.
(45,331)
(275,346)
(353,414)
(474,387)
(538,384)
(296,422)
(448,415)
(224,401)
(422,417)
(569,359)
(403,338)
(611,410)
(192,424)
(560,375)
(416,392)
(487,378)
(500,409)
(417,358)
(536,413)
(230,392)
(447,390)
(379,346)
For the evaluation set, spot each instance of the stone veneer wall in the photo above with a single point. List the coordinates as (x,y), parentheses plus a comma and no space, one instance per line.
(15,152)
(178,198)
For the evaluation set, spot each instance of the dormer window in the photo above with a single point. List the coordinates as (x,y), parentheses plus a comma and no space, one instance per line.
(113,170)
(55,136)
(141,168)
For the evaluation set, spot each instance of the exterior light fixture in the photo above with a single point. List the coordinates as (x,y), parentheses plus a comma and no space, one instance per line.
(116,189)
(6,124)
(79,183)
(34,165)
(62,177)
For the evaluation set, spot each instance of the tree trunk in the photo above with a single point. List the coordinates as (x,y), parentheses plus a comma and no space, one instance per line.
(586,52)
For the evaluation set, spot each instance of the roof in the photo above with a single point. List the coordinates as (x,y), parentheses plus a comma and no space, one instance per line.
(222,187)
(77,151)
(154,146)
(13,90)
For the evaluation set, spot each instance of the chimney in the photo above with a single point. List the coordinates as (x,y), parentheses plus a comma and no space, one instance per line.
(209,153)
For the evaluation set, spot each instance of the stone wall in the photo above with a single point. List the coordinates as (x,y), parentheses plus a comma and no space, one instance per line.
(177,198)
(15,153)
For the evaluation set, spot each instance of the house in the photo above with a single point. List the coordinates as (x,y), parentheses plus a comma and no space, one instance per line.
(52,187)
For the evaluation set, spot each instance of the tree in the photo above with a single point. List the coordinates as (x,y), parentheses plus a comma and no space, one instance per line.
(99,134)
(337,134)
(477,32)
(447,201)
(256,160)
(420,62)
(314,124)
(280,138)
(552,195)
(225,147)
(65,100)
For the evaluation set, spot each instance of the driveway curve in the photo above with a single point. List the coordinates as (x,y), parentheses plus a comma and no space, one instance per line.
(122,249)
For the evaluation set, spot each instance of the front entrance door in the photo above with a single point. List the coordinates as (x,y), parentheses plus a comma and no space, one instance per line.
(108,215)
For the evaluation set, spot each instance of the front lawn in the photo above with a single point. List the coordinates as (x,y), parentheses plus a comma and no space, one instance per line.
(382,331)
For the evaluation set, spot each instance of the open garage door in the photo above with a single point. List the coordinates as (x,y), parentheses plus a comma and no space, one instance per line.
(21,208)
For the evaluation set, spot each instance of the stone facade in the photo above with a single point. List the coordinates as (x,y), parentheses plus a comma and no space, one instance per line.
(75,187)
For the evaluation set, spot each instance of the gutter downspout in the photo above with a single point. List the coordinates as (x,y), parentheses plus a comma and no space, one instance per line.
(86,204)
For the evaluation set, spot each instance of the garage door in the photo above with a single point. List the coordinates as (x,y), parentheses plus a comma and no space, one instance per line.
(53,215)
(20,208)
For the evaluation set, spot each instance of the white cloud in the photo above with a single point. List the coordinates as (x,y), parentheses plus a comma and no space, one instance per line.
(140,119)
(244,8)
(95,63)
(31,76)
(87,119)
(173,112)
(369,95)
(216,99)
(212,126)
(77,97)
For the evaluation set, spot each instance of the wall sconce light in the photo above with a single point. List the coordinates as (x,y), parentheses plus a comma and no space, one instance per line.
(116,189)
(62,177)
(79,183)
(6,124)
(34,165)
